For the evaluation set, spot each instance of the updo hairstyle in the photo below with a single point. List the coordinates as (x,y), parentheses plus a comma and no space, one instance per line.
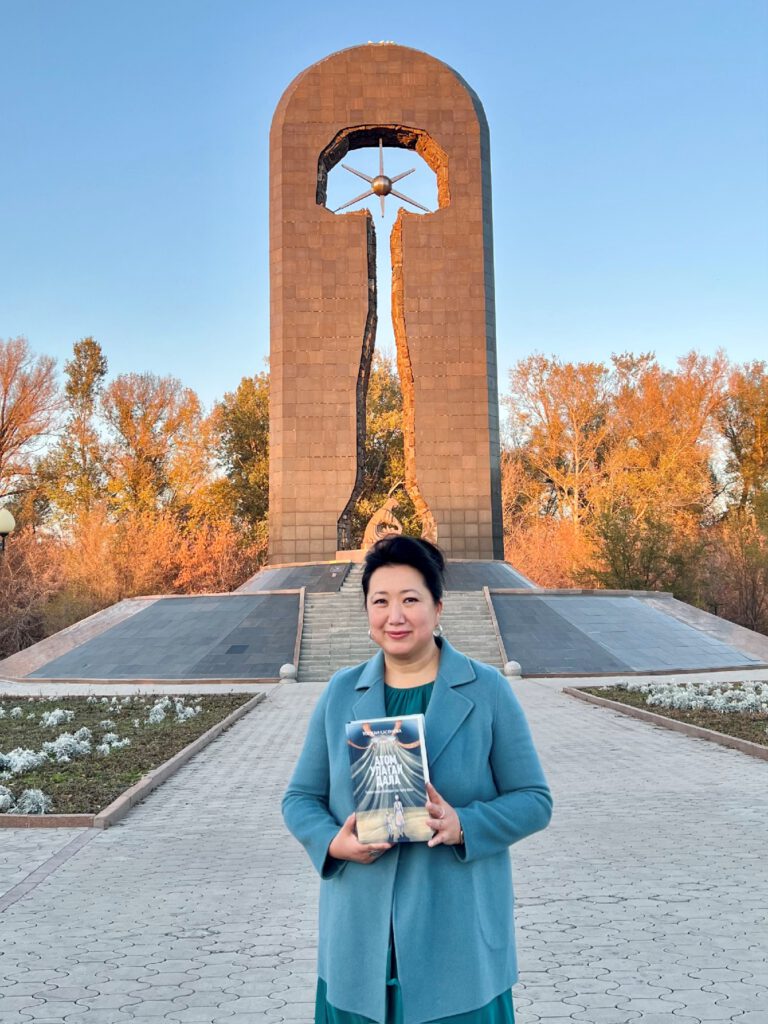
(401,550)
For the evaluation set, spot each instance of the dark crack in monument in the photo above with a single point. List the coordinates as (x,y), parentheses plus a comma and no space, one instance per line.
(323,306)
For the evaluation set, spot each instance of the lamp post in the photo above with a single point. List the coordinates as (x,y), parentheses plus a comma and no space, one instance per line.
(7,525)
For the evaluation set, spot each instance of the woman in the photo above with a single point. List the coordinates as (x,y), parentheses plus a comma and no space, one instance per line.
(418,932)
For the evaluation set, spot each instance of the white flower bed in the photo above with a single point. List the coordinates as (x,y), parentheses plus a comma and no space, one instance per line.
(167,706)
(67,746)
(111,741)
(50,718)
(20,760)
(31,801)
(705,695)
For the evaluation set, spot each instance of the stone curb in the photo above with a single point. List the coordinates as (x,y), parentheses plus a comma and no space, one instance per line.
(115,681)
(576,592)
(299,629)
(46,820)
(495,624)
(123,803)
(745,746)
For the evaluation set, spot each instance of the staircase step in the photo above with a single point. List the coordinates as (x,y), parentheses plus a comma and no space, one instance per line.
(335,629)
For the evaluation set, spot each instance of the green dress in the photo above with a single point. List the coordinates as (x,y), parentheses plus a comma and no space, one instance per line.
(412,701)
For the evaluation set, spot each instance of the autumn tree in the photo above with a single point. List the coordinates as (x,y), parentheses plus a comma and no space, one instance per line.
(218,556)
(159,450)
(559,420)
(743,421)
(661,442)
(610,467)
(30,575)
(644,553)
(241,422)
(29,405)
(737,567)
(74,472)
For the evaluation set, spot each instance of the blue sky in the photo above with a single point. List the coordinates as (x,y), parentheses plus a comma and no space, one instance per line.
(629,150)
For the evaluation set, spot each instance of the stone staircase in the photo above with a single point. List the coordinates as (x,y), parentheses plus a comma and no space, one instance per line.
(335,630)
(467,624)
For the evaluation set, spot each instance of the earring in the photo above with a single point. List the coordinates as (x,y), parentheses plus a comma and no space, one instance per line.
(437,631)
(370,635)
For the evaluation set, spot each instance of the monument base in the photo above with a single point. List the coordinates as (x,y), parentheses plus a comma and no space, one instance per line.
(357,555)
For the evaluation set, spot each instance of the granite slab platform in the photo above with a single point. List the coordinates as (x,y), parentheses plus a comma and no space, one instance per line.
(471,575)
(316,578)
(596,634)
(231,636)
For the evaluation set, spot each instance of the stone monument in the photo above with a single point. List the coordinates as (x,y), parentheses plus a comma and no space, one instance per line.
(323,306)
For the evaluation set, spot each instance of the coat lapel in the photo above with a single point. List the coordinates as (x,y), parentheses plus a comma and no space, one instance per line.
(449,706)
(447,709)
(370,689)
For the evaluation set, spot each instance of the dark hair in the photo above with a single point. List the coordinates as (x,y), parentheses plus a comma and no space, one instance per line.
(399,550)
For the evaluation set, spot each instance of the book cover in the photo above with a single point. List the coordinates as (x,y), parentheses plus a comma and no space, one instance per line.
(388,761)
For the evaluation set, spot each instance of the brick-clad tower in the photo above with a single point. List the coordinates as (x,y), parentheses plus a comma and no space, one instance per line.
(323,305)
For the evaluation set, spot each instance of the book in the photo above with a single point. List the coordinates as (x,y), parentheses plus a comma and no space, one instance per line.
(388,761)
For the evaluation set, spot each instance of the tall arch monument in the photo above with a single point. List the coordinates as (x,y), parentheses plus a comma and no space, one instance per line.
(323,306)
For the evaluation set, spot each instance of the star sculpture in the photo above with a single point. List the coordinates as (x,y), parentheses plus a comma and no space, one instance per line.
(381,185)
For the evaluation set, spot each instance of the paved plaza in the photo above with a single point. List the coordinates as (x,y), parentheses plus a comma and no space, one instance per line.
(646,900)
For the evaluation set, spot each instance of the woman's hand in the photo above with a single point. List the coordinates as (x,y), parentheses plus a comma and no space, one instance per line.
(443,820)
(346,846)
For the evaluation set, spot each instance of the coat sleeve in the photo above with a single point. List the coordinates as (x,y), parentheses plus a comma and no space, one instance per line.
(524,803)
(305,804)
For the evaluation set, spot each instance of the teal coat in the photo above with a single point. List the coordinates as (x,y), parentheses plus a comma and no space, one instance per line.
(450,906)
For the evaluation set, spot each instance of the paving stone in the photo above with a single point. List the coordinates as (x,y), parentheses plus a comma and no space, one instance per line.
(209,998)
(26,1002)
(592,1000)
(112,1016)
(607,1016)
(292,1012)
(266,988)
(195,1015)
(679,1017)
(546,1010)
(167,978)
(730,990)
(128,974)
(567,1020)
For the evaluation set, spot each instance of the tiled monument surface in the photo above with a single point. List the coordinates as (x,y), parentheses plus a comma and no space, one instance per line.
(583,633)
(225,636)
(323,294)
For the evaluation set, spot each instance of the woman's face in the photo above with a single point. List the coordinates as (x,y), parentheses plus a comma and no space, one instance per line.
(401,612)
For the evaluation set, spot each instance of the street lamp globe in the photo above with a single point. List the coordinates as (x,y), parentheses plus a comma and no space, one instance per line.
(7,525)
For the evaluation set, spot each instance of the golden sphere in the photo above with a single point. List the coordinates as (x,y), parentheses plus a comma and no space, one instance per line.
(381,185)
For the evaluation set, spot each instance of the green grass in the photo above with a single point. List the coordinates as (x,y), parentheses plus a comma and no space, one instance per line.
(88,784)
(743,725)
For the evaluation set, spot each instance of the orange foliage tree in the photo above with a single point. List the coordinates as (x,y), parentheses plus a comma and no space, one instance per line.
(29,406)
(139,494)
(608,472)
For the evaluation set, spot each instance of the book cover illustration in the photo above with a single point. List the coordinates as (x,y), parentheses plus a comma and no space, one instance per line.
(388,761)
